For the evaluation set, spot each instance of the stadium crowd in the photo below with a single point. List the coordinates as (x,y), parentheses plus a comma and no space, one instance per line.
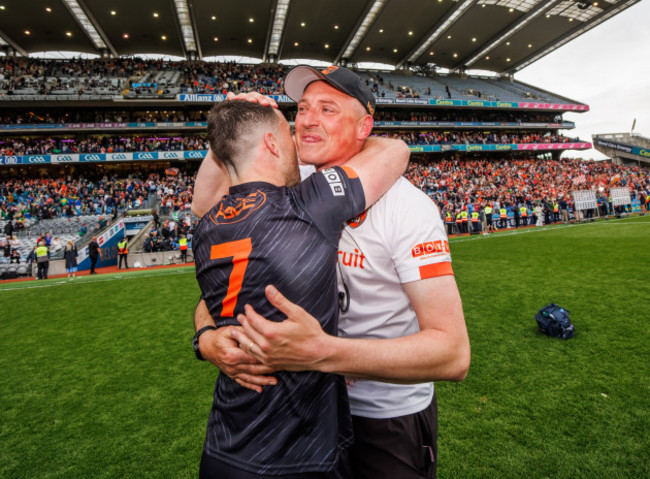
(132,77)
(121,75)
(45,198)
(472,194)
(117,144)
(541,188)
(98,116)
(162,116)
(476,138)
(103,144)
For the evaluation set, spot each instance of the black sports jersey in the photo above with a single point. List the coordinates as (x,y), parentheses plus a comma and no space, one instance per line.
(261,234)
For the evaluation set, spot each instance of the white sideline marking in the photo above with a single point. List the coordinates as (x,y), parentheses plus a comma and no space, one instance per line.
(539,229)
(98,280)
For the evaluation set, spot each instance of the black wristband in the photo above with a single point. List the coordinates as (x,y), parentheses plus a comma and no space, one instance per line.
(195,341)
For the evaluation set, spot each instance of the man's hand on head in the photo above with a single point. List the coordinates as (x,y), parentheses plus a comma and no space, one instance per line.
(221,349)
(253,97)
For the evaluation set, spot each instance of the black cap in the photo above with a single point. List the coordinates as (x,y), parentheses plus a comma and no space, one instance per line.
(298,79)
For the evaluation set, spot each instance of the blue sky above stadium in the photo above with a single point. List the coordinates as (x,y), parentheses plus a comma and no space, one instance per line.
(606,68)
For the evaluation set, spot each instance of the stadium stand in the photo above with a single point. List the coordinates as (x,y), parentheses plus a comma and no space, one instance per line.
(55,178)
(25,79)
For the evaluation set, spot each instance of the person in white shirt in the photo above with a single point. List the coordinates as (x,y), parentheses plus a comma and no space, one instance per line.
(397,286)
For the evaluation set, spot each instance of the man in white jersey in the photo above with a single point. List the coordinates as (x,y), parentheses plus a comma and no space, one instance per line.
(397,285)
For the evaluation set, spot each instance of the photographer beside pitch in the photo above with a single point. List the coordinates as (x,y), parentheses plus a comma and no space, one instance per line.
(264,231)
(396,273)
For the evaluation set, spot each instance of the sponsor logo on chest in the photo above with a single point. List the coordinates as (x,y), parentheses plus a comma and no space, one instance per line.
(352,260)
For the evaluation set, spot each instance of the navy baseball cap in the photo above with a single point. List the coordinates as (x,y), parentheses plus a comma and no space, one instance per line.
(298,79)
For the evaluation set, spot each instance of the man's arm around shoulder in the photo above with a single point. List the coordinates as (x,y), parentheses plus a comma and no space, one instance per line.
(379,164)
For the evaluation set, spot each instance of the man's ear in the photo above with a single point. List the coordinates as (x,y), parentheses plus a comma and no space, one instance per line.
(271,143)
(365,127)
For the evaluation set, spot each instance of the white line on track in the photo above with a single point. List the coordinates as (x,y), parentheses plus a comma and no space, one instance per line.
(538,229)
(93,281)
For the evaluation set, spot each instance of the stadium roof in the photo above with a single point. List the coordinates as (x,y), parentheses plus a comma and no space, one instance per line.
(502,36)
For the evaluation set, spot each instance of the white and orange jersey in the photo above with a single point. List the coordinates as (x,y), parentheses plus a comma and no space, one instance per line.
(398,240)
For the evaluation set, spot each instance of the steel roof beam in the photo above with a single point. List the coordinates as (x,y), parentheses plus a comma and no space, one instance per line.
(436,32)
(277,29)
(185,24)
(360,30)
(506,33)
(8,42)
(576,32)
(89,25)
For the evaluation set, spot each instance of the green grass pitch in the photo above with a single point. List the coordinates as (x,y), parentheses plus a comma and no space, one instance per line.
(98,378)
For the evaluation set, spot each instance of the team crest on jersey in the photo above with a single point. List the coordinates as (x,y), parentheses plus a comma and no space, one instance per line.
(358,220)
(240,210)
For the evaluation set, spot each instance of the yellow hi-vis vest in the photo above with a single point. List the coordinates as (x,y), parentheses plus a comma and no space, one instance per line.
(41,251)
(474,217)
(488,210)
(556,208)
(524,211)
(503,212)
(448,217)
(463,216)
(121,248)
(182,243)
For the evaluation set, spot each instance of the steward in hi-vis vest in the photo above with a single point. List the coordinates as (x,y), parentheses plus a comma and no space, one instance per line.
(122,254)
(474,220)
(182,245)
(488,217)
(449,221)
(42,260)
(503,218)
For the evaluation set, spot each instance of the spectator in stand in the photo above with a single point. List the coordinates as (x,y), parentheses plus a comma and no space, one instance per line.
(70,256)
(538,214)
(55,244)
(31,259)
(6,247)
(9,228)
(94,253)
(147,245)
(564,210)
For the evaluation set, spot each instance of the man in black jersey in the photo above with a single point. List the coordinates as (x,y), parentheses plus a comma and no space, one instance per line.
(265,233)
(438,349)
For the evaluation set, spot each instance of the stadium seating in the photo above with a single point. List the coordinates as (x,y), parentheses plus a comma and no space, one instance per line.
(131,78)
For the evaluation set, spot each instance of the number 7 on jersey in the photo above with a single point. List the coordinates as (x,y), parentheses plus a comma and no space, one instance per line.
(239,251)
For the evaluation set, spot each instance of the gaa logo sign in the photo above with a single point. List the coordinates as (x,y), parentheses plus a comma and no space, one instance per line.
(92,158)
(36,159)
(172,155)
(119,156)
(63,159)
(146,156)
(195,154)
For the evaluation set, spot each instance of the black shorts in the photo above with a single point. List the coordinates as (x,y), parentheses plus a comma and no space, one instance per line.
(212,468)
(403,447)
